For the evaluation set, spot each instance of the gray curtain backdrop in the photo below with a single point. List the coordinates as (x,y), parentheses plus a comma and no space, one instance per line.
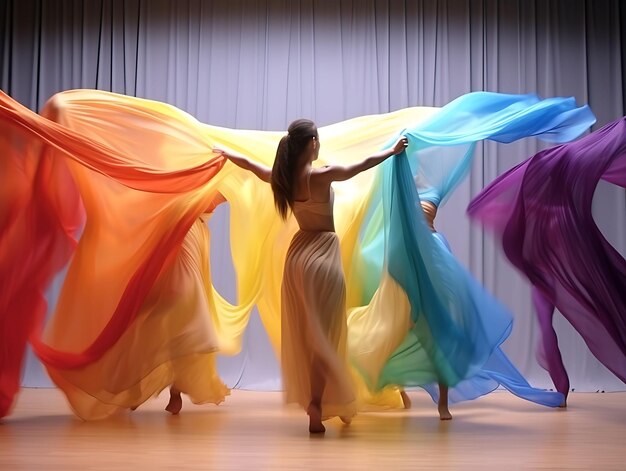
(261,63)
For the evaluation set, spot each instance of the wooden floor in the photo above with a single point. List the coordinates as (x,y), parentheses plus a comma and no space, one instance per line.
(252,430)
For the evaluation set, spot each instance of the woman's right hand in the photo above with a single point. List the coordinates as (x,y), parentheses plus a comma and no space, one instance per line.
(220,151)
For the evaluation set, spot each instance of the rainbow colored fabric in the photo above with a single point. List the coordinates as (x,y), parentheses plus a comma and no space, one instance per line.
(109,189)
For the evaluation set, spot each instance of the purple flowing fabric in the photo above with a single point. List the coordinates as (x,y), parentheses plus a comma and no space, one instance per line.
(541,210)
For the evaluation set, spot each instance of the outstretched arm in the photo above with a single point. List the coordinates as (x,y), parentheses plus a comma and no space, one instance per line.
(345,172)
(261,171)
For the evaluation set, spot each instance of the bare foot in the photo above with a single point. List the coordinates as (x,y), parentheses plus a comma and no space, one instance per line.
(315,419)
(442,404)
(175,404)
(346,420)
(444,413)
(134,408)
(406,400)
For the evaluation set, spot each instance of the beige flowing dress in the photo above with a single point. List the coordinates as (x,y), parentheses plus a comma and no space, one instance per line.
(313,314)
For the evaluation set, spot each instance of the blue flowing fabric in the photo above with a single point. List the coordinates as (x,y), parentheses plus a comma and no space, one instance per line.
(457,326)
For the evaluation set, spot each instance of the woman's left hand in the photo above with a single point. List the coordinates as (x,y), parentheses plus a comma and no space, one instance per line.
(402,144)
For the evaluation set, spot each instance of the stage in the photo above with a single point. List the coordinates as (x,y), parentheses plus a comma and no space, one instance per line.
(254,431)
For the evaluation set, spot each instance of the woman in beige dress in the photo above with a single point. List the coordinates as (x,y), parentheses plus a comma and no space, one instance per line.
(313,310)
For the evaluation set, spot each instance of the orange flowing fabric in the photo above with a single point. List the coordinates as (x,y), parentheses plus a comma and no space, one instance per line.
(136,215)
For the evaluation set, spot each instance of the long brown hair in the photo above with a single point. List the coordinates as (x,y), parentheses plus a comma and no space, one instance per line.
(288,154)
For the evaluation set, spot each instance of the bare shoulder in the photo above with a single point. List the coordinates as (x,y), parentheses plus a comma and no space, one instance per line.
(319,182)
(321,173)
(330,173)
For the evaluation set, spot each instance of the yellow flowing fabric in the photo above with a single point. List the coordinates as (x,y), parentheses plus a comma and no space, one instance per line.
(179,320)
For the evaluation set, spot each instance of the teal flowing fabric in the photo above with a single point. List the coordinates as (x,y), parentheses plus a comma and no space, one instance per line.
(457,326)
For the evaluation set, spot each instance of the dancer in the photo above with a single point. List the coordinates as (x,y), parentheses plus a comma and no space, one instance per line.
(445,327)
(313,288)
(133,316)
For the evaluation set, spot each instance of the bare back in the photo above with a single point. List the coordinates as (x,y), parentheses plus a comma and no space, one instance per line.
(313,203)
